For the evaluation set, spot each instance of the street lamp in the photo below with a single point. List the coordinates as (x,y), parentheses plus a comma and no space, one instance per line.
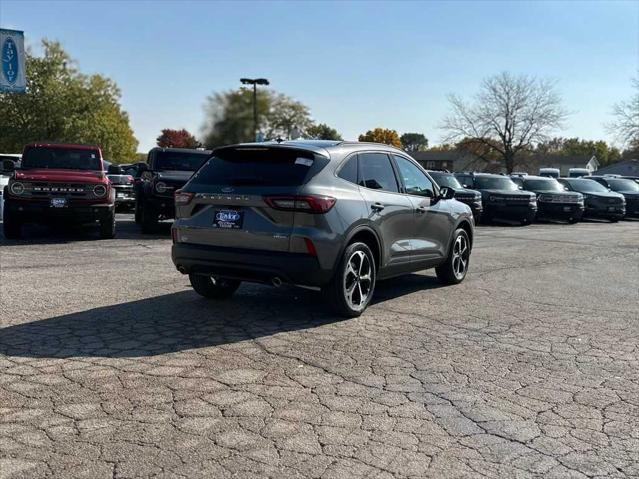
(254,82)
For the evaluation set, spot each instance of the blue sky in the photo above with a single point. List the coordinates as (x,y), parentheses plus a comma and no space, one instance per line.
(357,65)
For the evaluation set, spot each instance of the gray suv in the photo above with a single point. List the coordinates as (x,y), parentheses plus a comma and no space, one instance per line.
(326,215)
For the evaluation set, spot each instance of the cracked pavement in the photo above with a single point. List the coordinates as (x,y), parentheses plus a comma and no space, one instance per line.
(111,367)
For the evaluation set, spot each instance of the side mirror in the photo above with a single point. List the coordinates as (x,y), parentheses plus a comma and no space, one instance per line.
(114,169)
(8,166)
(446,193)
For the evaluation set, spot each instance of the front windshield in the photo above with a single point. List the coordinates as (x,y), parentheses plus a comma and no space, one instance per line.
(445,179)
(623,185)
(543,185)
(495,183)
(62,158)
(180,161)
(587,186)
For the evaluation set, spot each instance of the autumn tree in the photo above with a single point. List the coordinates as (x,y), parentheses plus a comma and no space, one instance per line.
(382,135)
(63,105)
(509,115)
(413,142)
(177,139)
(322,131)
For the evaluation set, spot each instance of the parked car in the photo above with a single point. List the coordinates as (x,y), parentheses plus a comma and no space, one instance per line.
(599,202)
(627,187)
(470,197)
(7,166)
(58,183)
(553,201)
(550,172)
(501,197)
(329,215)
(166,171)
(578,172)
(122,184)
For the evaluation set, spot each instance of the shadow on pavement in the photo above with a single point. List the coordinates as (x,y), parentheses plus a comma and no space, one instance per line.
(70,233)
(182,321)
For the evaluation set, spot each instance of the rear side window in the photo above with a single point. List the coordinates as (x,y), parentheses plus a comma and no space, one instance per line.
(348,172)
(376,172)
(256,167)
(179,161)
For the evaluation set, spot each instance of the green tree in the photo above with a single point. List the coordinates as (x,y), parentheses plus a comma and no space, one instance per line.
(382,135)
(414,142)
(63,105)
(604,153)
(322,131)
(229,116)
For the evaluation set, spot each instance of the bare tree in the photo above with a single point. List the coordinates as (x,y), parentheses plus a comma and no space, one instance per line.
(509,115)
(625,126)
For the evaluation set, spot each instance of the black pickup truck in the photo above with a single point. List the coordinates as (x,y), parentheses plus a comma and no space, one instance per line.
(166,170)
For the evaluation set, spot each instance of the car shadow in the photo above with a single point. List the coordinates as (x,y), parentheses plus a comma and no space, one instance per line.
(183,321)
(69,233)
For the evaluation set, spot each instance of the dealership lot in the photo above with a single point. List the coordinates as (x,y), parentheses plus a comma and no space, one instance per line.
(111,366)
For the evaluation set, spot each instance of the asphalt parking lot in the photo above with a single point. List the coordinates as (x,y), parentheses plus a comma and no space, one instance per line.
(110,366)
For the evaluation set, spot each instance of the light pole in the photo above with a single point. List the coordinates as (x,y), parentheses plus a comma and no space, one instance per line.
(254,82)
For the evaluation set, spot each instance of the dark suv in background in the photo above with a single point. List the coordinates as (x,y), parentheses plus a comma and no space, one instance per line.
(598,200)
(553,201)
(501,197)
(329,215)
(625,186)
(470,197)
(166,171)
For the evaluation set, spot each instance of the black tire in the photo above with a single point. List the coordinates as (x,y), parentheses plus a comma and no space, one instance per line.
(138,213)
(107,226)
(614,220)
(211,288)
(572,221)
(452,271)
(11,226)
(148,219)
(356,273)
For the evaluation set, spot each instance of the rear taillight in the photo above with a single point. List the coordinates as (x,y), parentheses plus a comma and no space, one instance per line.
(183,198)
(307,204)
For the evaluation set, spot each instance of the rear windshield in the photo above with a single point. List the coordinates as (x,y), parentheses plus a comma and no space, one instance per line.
(543,185)
(180,161)
(255,167)
(62,158)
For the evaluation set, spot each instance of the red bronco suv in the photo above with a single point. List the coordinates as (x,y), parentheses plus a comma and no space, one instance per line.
(57,183)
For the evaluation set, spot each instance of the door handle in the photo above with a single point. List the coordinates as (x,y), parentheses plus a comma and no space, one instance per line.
(421,209)
(377,206)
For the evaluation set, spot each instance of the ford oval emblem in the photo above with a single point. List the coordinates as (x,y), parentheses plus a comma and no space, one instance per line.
(10,60)
(228,189)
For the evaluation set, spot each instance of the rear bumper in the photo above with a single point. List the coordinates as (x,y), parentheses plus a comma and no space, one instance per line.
(41,211)
(560,210)
(249,265)
(124,195)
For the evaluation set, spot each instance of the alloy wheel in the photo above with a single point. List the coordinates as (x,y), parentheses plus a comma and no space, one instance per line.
(461,255)
(358,280)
